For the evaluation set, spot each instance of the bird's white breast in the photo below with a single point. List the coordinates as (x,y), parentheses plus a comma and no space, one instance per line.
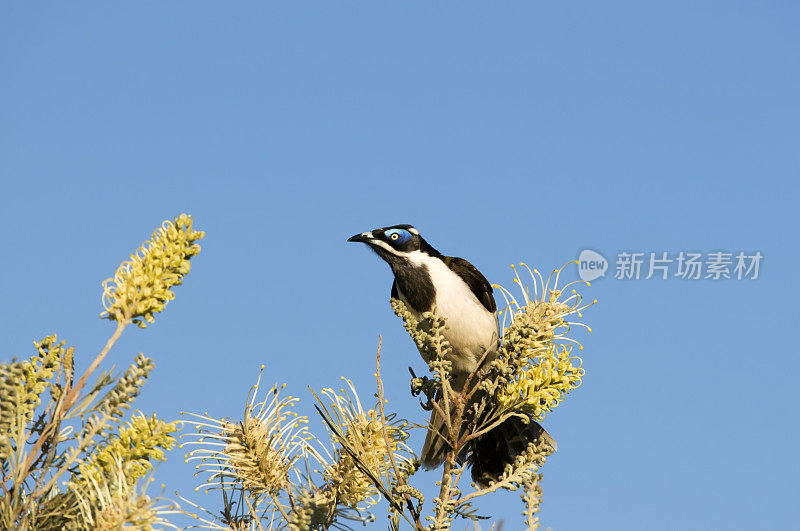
(470,328)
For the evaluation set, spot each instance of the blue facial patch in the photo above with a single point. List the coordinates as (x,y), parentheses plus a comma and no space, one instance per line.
(402,235)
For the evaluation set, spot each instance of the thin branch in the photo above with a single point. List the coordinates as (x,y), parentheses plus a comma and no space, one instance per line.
(415,513)
(358,462)
(55,421)
(381,409)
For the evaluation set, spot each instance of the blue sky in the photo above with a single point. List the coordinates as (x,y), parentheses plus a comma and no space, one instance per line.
(522,131)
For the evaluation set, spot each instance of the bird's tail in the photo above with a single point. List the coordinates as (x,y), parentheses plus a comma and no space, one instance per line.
(436,446)
(493,451)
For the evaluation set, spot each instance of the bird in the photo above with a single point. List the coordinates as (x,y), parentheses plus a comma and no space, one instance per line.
(427,281)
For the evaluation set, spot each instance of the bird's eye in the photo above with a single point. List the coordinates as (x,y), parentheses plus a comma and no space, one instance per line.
(394,236)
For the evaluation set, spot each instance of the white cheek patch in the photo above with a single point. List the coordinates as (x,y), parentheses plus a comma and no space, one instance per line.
(383,245)
(416,258)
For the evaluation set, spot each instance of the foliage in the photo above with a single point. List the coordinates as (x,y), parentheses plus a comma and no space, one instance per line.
(55,426)
(292,479)
(70,459)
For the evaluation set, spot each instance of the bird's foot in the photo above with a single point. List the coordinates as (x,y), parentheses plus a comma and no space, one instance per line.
(426,386)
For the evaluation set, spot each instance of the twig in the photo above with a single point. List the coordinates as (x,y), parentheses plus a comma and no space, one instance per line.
(358,462)
(415,513)
(55,421)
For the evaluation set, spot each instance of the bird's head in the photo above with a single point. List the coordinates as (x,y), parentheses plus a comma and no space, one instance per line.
(395,244)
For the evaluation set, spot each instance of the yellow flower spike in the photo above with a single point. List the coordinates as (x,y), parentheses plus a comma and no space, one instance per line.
(542,368)
(129,452)
(259,452)
(362,433)
(141,286)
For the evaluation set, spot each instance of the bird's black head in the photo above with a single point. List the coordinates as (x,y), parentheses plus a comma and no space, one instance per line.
(395,244)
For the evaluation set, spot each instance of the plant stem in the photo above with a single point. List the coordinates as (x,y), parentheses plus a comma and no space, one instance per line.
(442,520)
(415,513)
(55,421)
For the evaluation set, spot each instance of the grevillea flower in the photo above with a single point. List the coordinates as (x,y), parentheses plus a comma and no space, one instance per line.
(138,443)
(362,448)
(540,368)
(256,454)
(111,502)
(141,285)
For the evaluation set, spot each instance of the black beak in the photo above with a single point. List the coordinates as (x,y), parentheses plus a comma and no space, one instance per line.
(363,237)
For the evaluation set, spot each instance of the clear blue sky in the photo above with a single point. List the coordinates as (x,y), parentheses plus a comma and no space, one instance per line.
(516,131)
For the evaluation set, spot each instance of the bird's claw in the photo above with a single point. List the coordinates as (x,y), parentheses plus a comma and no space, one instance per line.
(423,385)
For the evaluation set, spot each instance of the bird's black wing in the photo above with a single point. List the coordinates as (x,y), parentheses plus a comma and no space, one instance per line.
(394,293)
(475,280)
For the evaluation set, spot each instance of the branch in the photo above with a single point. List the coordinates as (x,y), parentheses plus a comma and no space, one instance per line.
(55,421)
(415,512)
